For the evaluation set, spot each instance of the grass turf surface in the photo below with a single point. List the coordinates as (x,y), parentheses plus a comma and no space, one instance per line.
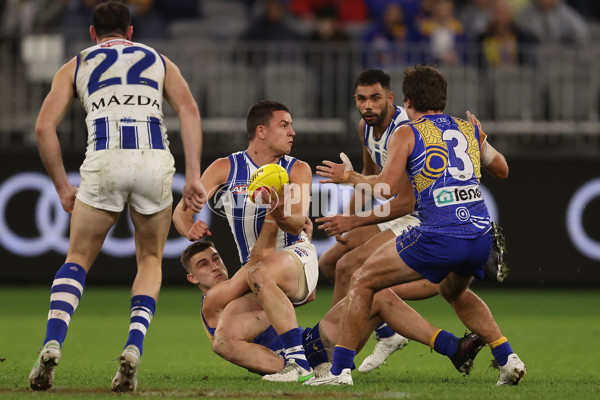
(555,332)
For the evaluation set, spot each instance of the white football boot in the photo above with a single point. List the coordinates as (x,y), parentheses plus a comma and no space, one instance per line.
(383,349)
(292,372)
(344,378)
(511,372)
(126,378)
(41,376)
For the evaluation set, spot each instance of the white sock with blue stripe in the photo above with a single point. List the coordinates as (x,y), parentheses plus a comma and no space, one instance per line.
(142,311)
(66,292)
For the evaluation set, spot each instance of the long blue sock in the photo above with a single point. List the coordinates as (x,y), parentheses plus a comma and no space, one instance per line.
(445,343)
(384,331)
(342,358)
(501,352)
(292,340)
(65,294)
(142,311)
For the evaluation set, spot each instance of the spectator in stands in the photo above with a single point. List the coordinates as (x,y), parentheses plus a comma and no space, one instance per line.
(504,44)
(146,20)
(410,8)
(348,10)
(327,27)
(271,25)
(389,41)
(475,17)
(444,33)
(553,22)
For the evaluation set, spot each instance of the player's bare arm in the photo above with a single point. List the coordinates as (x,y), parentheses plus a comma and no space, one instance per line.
(299,200)
(183,219)
(395,208)
(492,160)
(179,96)
(52,112)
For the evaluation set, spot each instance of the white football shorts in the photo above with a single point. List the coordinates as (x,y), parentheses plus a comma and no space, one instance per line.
(141,178)
(306,255)
(399,225)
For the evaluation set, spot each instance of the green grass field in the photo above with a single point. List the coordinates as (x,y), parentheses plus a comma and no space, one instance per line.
(555,332)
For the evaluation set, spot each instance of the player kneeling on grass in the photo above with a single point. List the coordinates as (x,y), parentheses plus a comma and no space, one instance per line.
(241,333)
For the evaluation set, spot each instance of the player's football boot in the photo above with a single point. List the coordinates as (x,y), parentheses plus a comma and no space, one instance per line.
(383,349)
(126,378)
(511,372)
(344,378)
(292,372)
(467,348)
(496,268)
(41,376)
(322,369)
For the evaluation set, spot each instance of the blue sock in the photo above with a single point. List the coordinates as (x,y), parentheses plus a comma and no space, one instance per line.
(502,352)
(342,358)
(64,298)
(445,343)
(292,340)
(383,331)
(142,311)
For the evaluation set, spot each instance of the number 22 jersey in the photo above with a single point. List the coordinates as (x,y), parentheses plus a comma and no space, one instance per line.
(120,85)
(444,168)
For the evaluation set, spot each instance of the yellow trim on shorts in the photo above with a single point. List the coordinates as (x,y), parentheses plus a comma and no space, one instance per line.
(433,337)
(497,342)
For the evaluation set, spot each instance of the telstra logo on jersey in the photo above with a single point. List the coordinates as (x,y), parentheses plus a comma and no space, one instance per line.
(456,195)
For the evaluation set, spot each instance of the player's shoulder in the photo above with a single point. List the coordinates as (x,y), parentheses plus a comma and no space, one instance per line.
(300,167)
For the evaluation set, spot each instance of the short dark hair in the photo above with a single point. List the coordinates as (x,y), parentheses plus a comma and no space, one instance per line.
(192,250)
(425,87)
(111,17)
(261,113)
(372,77)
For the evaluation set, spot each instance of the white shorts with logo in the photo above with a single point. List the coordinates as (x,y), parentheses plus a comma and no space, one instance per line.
(140,177)
(399,225)
(307,254)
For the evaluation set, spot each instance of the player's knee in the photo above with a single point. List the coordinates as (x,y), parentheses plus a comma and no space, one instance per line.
(256,277)
(327,267)
(345,267)
(222,345)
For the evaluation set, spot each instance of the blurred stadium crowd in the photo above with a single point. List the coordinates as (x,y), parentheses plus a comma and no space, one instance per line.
(523,66)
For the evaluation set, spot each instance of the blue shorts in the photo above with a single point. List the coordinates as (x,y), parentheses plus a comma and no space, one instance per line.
(434,256)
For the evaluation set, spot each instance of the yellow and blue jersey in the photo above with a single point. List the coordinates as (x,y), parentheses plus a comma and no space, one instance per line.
(444,168)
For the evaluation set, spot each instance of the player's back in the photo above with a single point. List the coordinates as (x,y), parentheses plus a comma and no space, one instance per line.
(444,168)
(120,85)
(377,147)
(246,218)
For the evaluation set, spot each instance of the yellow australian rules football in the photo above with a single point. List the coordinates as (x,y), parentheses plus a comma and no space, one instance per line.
(267,178)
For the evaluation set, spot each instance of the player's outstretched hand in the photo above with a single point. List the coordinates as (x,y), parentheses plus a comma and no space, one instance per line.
(194,196)
(67,198)
(473,119)
(337,224)
(335,173)
(198,231)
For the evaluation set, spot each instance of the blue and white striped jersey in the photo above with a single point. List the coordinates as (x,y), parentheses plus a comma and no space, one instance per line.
(120,85)
(246,218)
(377,148)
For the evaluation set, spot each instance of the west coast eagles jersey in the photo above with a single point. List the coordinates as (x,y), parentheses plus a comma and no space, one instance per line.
(377,148)
(444,168)
(246,218)
(120,85)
